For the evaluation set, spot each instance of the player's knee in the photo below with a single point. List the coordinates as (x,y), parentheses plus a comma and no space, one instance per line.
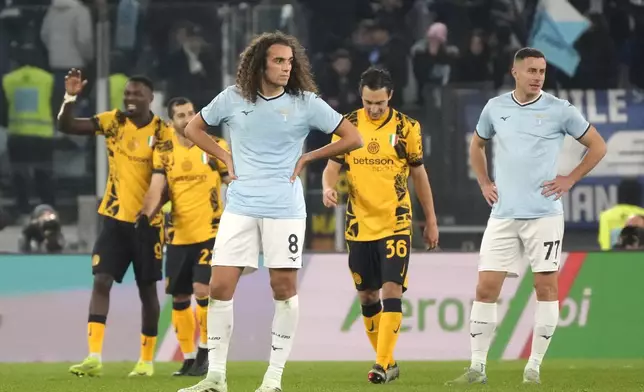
(200,290)
(223,282)
(487,291)
(546,286)
(392,290)
(283,283)
(368,297)
(148,295)
(103,284)
(180,298)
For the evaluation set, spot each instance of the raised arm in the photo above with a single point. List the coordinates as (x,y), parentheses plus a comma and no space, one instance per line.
(66,121)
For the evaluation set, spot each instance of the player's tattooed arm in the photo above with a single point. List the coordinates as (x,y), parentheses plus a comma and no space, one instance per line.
(66,121)
(156,195)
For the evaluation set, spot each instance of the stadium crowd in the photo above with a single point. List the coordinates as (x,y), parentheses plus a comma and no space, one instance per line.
(426,44)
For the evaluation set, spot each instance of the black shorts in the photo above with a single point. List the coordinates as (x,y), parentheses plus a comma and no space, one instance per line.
(373,263)
(117,247)
(187,264)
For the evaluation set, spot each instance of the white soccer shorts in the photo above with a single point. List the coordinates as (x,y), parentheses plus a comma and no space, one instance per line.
(507,243)
(240,239)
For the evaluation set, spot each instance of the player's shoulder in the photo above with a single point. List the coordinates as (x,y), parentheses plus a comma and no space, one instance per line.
(553,101)
(114,117)
(353,116)
(406,120)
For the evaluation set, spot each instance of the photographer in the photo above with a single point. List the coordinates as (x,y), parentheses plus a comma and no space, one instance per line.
(42,234)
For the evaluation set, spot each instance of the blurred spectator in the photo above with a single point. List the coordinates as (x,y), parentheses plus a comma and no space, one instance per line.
(598,68)
(68,34)
(389,51)
(432,59)
(339,82)
(474,65)
(42,234)
(27,91)
(611,221)
(192,69)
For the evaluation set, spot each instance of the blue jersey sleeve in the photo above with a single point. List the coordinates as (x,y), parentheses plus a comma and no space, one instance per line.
(217,110)
(573,122)
(322,116)
(484,127)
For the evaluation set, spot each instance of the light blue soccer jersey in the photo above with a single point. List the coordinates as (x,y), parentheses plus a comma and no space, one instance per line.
(528,141)
(266,139)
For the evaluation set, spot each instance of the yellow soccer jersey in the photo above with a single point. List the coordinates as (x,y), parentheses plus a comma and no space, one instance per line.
(129,154)
(194,182)
(379,204)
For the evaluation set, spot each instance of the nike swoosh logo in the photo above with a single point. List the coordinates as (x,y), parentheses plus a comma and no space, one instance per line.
(397,329)
(373,326)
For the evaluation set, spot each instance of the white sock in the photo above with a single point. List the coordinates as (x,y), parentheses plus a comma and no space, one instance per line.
(97,356)
(482,326)
(285,321)
(545,323)
(191,355)
(220,329)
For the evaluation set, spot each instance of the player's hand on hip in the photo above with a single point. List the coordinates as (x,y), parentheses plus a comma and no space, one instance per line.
(330,198)
(228,161)
(74,82)
(430,234)
(557,187)
(299,166)
(489,193)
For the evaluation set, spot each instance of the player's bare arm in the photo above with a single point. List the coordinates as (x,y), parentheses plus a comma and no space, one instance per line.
(196,132)
(596,146)
(424,194)
(66,122)
(153,200)
(350,140)
(330,178)
(478,161)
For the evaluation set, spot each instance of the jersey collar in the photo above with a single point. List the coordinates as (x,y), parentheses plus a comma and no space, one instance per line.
(526,103)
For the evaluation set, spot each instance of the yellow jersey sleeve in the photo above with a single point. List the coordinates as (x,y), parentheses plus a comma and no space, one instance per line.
(106,123)
(414,144)
(157,162)
(338,158)
(221,166)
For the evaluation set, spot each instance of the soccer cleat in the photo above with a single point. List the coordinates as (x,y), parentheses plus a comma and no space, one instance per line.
(393,372)
(377,375)
(471,376)
(200,366)
(142,369)
(185,368)
(265,388)
(90,367)
(207,385)
(531,376)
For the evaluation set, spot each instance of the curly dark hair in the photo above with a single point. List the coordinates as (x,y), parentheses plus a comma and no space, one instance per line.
(253,61)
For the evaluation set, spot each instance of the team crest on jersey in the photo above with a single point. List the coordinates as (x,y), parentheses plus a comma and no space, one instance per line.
(284,113)
(373,146)
(186,165)
(132,144)
(540,119)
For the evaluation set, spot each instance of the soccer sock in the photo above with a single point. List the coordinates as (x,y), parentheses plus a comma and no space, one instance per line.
(184,326)
(220,329)
(371,317)
(388,332)
(202,319)
(545,323)
(285,320)
(482,326)
(148,343)
(95,335)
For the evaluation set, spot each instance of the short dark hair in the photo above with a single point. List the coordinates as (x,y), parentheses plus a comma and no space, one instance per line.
(525,53)
(376,78)
(174,102)
(144,80)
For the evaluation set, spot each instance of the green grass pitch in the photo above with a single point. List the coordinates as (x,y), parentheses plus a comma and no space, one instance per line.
(557,375)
